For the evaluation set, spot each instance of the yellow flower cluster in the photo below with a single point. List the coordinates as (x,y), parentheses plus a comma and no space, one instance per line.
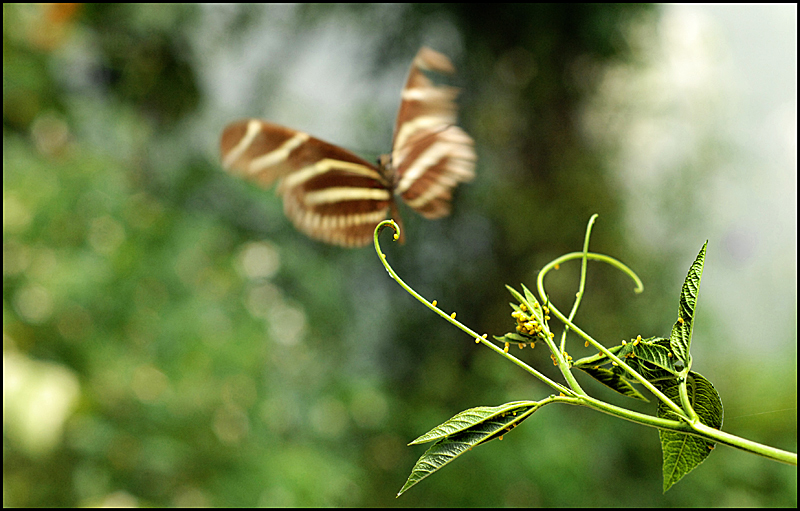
(526,324)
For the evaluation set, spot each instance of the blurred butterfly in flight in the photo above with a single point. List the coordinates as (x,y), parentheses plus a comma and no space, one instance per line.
(336,197)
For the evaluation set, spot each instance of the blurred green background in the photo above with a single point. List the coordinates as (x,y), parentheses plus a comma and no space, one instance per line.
(169,339)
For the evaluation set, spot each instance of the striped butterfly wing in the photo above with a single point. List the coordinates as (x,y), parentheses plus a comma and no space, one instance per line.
(334,196)
(430,154)
(329,193)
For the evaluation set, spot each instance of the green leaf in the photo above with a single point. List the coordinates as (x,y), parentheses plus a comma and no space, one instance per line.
(529,297)
(463,432)
(530,302)
(651,358)
(681,337)
(613,381)
(516,295)
(599,358)
(515,337)
(474,416)
(647,370)
(681,452)
(654,352)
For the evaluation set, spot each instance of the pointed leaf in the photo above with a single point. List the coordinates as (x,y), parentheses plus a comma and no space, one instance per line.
(451,446)
(515,337)
(530,302)
(474,416)
(657,355)
(597,359)
(536,309)
(648,371)
(440,454)
(529,297)
(613,381)
(681,336)
(682,453)
(515,294)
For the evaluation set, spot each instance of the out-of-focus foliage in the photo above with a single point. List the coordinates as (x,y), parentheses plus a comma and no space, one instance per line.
(169,339)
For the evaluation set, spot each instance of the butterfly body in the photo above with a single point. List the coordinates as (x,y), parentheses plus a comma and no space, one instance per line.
(335,196)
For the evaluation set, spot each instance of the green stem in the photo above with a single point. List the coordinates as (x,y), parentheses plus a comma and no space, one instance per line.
(639,287)
(685,401)
(563,365)
(575,395)
(697,429)
(581,282)
(766,451)
(451,318)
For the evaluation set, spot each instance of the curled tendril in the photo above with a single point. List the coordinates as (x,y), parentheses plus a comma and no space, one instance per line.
(558,358)
(574,394)
(379,228)
(451,317)
(430,305)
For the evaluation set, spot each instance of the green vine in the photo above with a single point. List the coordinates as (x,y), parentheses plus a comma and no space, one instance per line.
(689,410)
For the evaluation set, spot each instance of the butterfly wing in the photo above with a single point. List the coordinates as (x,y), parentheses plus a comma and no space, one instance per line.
(329,193)
(430,154)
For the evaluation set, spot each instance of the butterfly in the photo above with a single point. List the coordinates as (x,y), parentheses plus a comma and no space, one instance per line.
(336,197)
